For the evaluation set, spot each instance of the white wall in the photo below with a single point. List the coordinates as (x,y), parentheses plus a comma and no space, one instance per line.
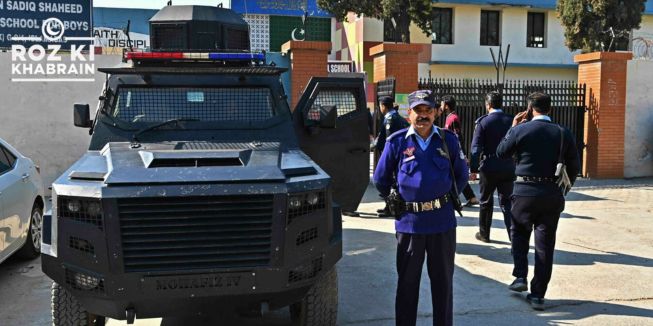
(37,118)
(638,156)
(488,72)
(466,38)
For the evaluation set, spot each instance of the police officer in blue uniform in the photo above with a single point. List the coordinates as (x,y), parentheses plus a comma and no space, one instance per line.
(427,229)
(539,145)
(392,122)
(495,173)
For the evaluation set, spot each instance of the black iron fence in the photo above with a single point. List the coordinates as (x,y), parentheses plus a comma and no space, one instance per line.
(568,101)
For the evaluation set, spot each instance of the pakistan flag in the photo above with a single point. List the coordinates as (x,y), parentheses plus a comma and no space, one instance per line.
(289,28)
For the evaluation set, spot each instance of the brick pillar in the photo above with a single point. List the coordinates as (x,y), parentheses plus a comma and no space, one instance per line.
(398,61)
(307,59)
(605,121)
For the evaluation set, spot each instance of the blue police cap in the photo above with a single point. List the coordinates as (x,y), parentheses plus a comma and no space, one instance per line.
(421,97)
(387,101)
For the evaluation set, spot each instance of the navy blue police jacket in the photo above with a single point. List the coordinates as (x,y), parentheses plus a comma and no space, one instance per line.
(422,175)
(490,130)
(392,124)
(536,145)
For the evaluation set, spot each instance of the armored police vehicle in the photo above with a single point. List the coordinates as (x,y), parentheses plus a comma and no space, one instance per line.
(202,189)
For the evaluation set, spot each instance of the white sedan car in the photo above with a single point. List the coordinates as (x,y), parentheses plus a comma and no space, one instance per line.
(21,204)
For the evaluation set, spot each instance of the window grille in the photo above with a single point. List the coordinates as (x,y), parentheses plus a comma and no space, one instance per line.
(345,101)
(203,104)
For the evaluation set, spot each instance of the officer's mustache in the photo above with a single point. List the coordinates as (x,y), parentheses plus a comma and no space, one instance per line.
(423,119)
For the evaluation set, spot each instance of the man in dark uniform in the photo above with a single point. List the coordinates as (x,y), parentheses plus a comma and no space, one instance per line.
(495,173)
(392,122)
(453,123)
(417,156)
(537,201)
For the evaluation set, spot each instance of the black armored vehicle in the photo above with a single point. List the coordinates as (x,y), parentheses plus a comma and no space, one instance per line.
(202,189)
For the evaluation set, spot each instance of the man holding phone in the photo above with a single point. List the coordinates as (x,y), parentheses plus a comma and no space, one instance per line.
(537,201)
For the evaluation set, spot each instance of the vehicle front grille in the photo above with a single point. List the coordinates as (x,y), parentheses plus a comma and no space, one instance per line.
(184,233)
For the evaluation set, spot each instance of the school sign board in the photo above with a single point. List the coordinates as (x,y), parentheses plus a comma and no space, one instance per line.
(44,22)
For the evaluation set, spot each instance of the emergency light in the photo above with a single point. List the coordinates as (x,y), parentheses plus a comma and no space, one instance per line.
(196,55)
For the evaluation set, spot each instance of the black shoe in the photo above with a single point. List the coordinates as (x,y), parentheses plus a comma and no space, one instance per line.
(536,303)
(385,213)
(479,237)
(382,210)
(519,285)
(470,203)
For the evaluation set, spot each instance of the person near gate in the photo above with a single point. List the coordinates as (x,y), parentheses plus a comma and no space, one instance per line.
(430,168)
(541,147)
(392,122)
(453,123)
(495,173)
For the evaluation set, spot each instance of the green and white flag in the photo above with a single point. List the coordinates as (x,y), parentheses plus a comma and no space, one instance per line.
(269,33)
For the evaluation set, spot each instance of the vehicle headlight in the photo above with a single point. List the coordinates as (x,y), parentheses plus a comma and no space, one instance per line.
(86,282)
(74,205)
(312,198)
(94,208)
(295,202)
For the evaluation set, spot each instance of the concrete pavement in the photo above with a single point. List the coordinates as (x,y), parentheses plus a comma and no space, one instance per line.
(602,274)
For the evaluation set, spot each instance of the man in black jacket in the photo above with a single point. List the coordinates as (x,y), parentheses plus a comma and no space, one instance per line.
(539,145)
(495,173)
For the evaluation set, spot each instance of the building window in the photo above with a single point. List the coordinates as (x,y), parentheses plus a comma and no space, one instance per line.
(535,30)
(490,27)
(442,26)
(388,31)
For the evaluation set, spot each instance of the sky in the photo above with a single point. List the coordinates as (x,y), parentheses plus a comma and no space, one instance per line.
(155,4)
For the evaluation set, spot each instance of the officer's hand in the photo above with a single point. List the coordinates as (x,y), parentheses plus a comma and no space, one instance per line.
(519,118)
(472,177)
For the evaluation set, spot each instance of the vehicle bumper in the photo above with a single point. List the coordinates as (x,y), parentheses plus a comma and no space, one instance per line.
(192,292)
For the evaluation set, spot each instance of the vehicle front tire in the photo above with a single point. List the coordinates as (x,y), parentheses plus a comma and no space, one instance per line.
(320,306)
(32,247)
(67,311)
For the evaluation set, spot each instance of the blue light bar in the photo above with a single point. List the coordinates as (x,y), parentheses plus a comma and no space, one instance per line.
(237,56)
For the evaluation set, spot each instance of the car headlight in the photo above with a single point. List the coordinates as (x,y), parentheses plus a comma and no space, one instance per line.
(295,202)
(312,198)
(94,208)
(86,282)
(74,205)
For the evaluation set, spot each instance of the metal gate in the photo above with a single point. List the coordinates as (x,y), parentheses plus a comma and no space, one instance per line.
(568,102)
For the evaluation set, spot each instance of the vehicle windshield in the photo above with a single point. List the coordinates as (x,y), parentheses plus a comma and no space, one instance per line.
(156,104)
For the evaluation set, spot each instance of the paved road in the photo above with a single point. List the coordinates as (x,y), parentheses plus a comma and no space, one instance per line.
(602,274)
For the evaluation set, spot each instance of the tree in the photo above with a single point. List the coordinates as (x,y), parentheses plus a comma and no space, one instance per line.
(404,12)
(595,25)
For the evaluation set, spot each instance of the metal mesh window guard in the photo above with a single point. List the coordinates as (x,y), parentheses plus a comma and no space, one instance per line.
(203,104)
(169,36)
(345,101)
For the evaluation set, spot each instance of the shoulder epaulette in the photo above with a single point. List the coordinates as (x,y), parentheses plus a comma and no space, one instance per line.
(481,118)
(400,132)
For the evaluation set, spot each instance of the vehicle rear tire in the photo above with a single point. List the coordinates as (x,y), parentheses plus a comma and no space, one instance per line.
(320,306)
(32,247)
(67,311)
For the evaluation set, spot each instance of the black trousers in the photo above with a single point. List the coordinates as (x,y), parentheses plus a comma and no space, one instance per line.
(541,213)
(502,181)
(411,251)
(468,192)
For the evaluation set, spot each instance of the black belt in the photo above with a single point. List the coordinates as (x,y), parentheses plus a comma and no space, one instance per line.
(429,205)
(489,155)
(548,179)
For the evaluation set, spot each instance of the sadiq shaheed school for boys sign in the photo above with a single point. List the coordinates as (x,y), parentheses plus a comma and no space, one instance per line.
(37,31)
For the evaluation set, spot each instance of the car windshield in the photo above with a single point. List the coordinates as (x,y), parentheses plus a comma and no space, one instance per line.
(156,104)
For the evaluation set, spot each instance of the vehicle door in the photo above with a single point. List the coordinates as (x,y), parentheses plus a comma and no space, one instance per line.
(341,151)
(13,189)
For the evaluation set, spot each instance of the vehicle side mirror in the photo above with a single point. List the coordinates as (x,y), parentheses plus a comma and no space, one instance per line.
(81,116)
(328,116)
